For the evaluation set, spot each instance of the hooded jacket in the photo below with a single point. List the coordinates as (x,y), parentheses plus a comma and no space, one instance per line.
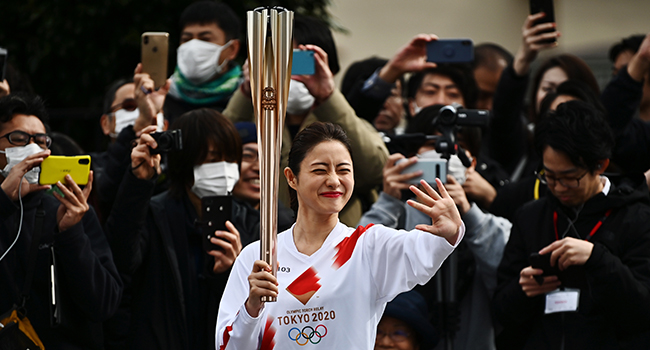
(614,283)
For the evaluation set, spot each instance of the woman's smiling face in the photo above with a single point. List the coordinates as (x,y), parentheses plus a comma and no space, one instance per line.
(326,179)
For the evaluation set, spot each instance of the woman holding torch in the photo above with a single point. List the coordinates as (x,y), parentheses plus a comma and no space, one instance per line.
(333,282)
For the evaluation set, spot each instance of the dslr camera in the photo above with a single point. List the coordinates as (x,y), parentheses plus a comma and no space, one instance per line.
(168,141)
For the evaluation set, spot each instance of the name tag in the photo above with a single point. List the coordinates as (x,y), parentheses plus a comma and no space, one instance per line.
(562,301)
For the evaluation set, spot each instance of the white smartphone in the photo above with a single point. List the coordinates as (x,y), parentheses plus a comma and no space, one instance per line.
(431,169)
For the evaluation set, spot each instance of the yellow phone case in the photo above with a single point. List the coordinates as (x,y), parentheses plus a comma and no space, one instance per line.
(55,168)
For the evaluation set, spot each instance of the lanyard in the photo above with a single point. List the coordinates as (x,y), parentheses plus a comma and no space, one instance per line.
(593,230)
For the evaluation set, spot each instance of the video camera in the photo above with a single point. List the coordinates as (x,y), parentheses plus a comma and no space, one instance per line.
(446,121)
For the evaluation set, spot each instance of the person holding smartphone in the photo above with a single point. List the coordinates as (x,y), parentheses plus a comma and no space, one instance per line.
(174,285)
(594,229)
(57,234)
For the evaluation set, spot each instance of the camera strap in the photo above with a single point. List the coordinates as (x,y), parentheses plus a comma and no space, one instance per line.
(33,253)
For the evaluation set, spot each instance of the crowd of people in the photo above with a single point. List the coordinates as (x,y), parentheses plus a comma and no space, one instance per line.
(536,237)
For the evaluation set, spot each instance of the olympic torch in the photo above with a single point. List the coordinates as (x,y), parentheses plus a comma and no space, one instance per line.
(270,53)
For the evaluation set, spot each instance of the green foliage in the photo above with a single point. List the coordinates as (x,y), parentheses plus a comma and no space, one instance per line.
(71,50)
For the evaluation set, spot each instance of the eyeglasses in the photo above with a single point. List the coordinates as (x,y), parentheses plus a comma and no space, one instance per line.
(397,336)
(128,104)
(21,138)
(568,182)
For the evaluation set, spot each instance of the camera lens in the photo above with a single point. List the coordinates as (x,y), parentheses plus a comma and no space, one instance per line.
(165,141)
(146,39)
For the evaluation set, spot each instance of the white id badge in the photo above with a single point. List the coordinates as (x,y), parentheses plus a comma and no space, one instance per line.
(562,301)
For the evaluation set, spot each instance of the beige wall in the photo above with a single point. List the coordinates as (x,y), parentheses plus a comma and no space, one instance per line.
(381,27)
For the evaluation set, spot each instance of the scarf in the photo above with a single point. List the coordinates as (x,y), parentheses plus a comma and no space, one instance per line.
(208,93)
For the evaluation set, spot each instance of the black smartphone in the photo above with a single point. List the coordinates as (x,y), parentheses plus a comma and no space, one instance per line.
(546,6)
(3,63)
(216,210)
(450,51)
(303,62)
(543,262)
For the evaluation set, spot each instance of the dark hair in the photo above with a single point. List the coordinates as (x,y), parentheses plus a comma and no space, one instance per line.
(360,71)
(201,128)
(22,103)
(631,43)
(308,138)
(576,89)
(208,12)
(64,145)
(313,31)
(575,69)
(470,136)
(578,130)
(460,74)
(109,96)
(488,55)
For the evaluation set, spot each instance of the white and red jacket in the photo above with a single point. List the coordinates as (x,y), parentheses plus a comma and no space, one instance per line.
(334,298)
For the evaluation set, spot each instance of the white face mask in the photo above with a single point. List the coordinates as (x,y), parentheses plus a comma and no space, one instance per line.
(16,155)
(198,60)
(300,100)
(124,118)
(455,167)
(215,179)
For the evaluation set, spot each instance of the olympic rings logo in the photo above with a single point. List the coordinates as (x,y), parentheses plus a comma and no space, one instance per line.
(308,334)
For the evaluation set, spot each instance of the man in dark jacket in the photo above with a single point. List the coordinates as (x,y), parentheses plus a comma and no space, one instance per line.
(41,233)
(594,290)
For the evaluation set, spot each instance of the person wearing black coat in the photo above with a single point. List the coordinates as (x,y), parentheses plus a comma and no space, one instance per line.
(58,232)
(173,286)
(594,230)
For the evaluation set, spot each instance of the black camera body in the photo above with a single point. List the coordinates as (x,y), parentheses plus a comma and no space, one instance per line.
(451,116)
(168,141)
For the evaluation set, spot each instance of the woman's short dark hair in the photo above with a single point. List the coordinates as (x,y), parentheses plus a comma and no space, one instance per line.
(578,130)
(305,141)
(461,74)
(201,128)
(575,69)
(574,88)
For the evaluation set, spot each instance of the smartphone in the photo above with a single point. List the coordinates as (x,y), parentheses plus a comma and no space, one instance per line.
(450,51)
(546,6)
(55,168)
(3,63)
(216,210)
(543,262)
(431,169)
(155,46)
(303,63)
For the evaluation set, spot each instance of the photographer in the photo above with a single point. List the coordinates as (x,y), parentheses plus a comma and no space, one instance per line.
(37,229)
(129,107)
(479,253)
(175,285)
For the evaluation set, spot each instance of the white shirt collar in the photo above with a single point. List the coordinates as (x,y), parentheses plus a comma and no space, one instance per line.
(607,185)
